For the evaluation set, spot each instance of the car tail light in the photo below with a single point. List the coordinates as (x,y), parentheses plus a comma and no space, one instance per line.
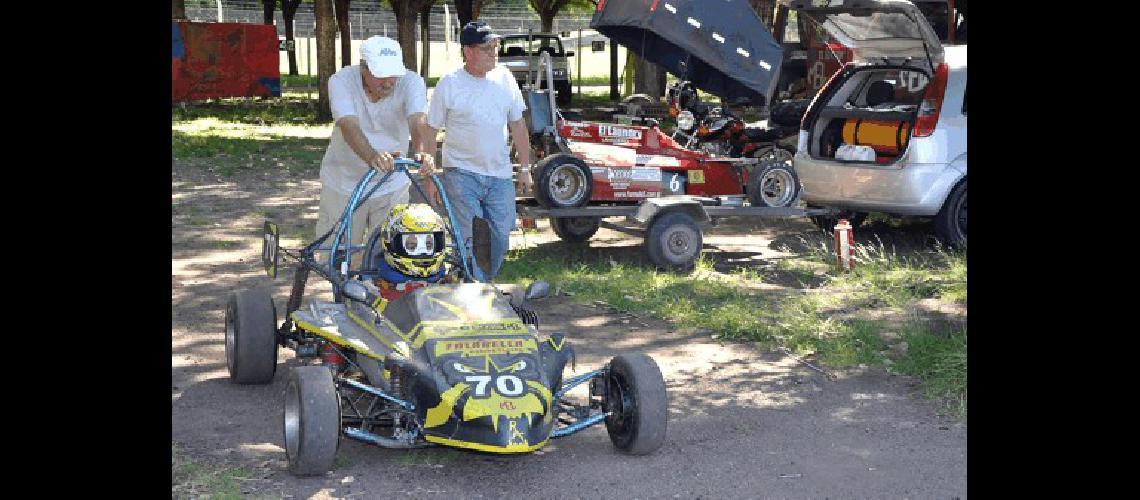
(673,110)
(822,91)
(702,131)
(931,105)
(601,3)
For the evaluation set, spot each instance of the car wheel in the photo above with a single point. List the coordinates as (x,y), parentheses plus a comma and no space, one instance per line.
(564,181)
(950,223)
(773,183)
(574,229)
(637,404)
(251,337)
(826,223)
(673,241)
(311,420)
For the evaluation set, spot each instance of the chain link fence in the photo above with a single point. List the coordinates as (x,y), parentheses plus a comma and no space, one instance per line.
(368,20)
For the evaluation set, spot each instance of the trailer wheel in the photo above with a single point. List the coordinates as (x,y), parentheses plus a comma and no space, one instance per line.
(673,241)
(637,403)
(251,337)
(563,181)
(574,229)
(311,420)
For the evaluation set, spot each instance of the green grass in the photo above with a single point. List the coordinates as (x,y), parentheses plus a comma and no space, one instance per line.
(940,361)
(698,300)
(194,479)
(822,323)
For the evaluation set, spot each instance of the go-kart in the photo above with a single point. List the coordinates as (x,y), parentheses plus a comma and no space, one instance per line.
(456,363)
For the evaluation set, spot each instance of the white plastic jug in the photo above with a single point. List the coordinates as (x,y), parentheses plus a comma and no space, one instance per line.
(855,152)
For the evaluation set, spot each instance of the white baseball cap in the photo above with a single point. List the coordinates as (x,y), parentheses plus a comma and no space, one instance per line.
(383,57)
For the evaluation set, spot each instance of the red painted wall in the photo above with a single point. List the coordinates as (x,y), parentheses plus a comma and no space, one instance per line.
(210,60)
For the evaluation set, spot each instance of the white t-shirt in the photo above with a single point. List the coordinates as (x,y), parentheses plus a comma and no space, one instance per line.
(475,112)
(385,124)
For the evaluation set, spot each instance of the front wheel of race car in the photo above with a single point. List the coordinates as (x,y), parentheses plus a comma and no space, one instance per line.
(637,404)
(311,420)
(563,181)
(251,337)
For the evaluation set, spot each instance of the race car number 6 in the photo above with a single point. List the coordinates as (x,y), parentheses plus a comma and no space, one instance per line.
(507,385)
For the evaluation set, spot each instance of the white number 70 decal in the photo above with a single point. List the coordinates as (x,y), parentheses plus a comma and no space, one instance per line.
(507,385)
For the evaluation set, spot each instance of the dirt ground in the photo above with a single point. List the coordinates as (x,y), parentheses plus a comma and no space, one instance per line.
(742,422)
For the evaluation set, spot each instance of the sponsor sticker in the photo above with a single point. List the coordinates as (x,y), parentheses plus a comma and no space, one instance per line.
(618,132)
(485,347)
(696,176)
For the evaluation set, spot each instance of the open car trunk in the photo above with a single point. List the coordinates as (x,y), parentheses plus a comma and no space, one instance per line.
(867,114)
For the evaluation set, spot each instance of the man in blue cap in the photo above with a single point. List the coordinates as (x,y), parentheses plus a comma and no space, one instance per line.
(477,104)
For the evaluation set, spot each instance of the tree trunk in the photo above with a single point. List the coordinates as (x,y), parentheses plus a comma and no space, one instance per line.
(267,7)
(425,35)
(406,12)
(326,54)
(764,8)
(647,77)
(468,10)
(546,10)
(178,9)
(288,12)
(345,29)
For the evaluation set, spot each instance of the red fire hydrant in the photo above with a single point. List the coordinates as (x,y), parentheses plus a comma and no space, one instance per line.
(844,245)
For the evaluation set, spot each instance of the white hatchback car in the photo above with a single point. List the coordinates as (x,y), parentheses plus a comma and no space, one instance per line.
(887,133)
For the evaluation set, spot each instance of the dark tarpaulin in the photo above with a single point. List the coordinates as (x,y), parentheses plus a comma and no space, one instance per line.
(727,49)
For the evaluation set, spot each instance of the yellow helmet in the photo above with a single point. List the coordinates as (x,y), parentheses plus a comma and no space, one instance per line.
(414,240)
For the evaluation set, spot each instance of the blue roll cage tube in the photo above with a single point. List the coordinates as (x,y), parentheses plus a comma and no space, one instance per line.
(345,221)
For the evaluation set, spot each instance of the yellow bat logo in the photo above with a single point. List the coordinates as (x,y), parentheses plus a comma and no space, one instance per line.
(494,392)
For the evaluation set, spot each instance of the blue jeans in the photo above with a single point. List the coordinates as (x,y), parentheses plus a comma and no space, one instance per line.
(474,195)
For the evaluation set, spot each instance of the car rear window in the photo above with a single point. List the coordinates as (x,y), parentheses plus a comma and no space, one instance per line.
(872,26)
(511,47)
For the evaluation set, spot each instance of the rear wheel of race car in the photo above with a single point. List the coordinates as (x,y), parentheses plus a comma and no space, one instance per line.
(673,241)
(563,181)
(311,420)
(773,183)
(574,229)
(637,404)
(251,337)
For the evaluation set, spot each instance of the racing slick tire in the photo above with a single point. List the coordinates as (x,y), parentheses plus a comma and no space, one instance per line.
(251,337)
(826,223)
(673,241)
(637,402)
(950,223)
(311,420)
(563,181)
(574,229)
(774,183)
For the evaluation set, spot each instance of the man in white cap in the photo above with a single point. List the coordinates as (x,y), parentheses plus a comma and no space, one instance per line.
(376,105)
(477,104)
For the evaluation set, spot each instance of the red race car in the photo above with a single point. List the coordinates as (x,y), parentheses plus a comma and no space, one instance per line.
(606,163)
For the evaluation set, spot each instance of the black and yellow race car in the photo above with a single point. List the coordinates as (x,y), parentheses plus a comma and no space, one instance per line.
(457,363)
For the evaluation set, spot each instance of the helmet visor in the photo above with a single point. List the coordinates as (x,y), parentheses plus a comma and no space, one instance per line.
(418,244)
